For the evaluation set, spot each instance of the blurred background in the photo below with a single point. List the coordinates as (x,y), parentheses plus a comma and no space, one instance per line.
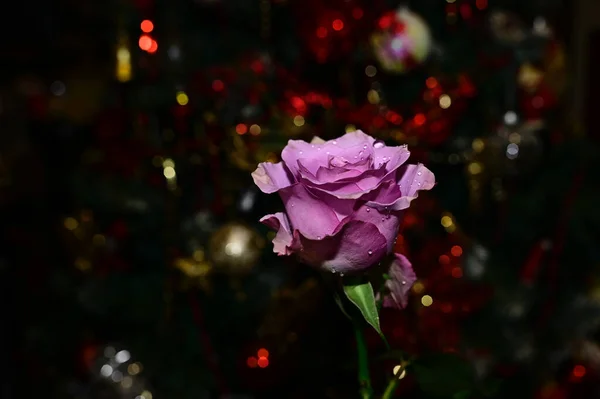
(133,264)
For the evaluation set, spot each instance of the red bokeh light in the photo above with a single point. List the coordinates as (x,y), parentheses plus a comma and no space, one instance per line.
(338,25)
(153,47)
(262,352)
(263,362)
(147,26)
(145,42)
(218,85)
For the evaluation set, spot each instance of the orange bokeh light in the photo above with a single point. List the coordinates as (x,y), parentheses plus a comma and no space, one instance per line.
(147,26)
(431,82)
(444,259)
(241,129)
(153,47)
(145,42)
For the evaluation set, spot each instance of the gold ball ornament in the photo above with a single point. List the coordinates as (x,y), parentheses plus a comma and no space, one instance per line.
(402,41)
(235,248)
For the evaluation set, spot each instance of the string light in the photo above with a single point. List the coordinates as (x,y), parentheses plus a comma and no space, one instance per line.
(397,370)
(145,42)
(299,120)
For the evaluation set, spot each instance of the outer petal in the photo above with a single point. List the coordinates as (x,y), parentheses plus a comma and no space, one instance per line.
(387,222)
(314,217)
(413,178)
(402,278)
(355,247)
(282,243)
(272,177)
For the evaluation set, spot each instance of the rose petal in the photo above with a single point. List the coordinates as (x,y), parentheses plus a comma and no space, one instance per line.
(272,177)
(312,216)
(386,220)
(413,178)
(355,247)
(282,243)
(315,155)
(402,278)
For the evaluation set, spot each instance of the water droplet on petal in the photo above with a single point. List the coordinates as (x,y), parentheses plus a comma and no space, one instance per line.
(418,183)
(378,144)
(327,152)
(368,209)
(318,237)
(333,271)
(313,146)
(360,153)
(364,147)
(419,173)
(370,253)
(383,219)
(403,282)
(301,152)
(341,274)
(319,148)
(334,142)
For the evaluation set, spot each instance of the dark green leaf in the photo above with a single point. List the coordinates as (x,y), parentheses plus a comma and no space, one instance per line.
(363,297)
(444,375)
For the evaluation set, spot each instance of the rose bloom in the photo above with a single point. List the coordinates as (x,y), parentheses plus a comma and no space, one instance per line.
(344,201)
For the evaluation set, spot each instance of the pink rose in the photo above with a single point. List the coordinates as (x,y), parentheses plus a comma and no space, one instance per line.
(343,199)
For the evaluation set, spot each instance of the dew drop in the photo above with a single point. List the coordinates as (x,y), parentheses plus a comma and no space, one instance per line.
(418,183)
(403,282)
(370,253)
(368,209)
(292,205)
(364,147)
(334,142)
(419,173)
(383,219)
(313,146)
(319,149)
(378,144)
(300,152)
(327,153)
(341,274)
(318,237)
(360,153)
(333,271)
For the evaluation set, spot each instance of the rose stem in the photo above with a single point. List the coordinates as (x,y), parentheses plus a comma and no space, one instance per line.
(364,379)
(391,387)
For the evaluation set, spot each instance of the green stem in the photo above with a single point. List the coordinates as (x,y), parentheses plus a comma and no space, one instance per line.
(364,378)
(391,388)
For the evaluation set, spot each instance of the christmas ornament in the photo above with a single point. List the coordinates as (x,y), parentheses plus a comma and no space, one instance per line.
(235,249)
(402,41)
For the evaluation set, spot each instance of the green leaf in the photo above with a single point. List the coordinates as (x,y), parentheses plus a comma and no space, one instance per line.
(363,297)
(444,375)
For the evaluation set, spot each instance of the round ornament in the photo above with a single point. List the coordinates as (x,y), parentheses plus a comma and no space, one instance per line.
(235,249)
(402,41)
